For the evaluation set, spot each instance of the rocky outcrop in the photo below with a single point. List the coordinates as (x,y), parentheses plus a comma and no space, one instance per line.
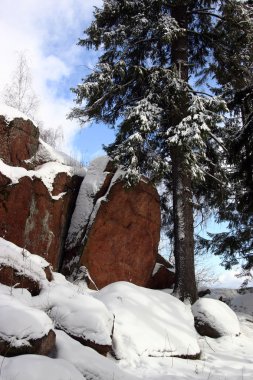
(35,204)
(163,276)
(114,231)
(32,218)
(19,140)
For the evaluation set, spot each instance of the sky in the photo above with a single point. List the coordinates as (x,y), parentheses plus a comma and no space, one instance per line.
(47,33)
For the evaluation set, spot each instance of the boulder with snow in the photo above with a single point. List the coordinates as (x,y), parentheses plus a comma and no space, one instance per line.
(38,190)
(20,269)
(81,316)
(214,318)
(149,323)
(24,330)
(114,231)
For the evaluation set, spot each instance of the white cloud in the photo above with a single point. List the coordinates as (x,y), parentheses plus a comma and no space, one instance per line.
(228,279)
(47,31)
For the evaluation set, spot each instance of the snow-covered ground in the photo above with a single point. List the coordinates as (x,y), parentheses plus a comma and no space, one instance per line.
(149,328)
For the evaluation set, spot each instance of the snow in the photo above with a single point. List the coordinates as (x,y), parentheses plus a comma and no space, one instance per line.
(11,113)
(34,367)
(46,153)
(19,323)
(22,261)
(91,184)
(78,314)
(46,172)
(148,322)
(87,361)
(149,327)
(156,269)
(218,315)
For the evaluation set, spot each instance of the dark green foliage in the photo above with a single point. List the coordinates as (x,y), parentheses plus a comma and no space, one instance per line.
(233,68)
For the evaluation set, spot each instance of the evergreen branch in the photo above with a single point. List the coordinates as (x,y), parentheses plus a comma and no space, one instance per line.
(106,95)
(217,140)
(204,12)
(211,176)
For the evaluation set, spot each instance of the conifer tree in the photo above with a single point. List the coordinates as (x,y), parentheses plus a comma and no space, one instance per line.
(165,128)
(233,68)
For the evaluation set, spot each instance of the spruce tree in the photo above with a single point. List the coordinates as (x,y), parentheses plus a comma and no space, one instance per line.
(233,68)
(141,86)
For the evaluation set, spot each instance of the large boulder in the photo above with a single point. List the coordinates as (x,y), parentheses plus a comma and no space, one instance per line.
(148,323)
(24,330)
(114,231)
(214,318)
(81,316)
(20,269)
(38,189)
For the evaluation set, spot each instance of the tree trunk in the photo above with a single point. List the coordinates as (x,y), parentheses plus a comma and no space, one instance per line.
(185,286)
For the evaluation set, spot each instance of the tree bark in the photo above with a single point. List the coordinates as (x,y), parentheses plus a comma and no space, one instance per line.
(185,286)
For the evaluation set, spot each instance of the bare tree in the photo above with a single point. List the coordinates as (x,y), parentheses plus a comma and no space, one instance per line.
(19,93)
(53,137)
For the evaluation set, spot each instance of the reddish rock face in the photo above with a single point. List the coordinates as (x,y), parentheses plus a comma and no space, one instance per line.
(163,277)
(31,218)
(19,141)
(121,243)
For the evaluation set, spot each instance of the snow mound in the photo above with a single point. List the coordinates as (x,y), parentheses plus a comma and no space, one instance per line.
(148,322)
(92,365)
(217,315)
(22,261)
(19,323)
(11,113)
(79,315)
(37,367)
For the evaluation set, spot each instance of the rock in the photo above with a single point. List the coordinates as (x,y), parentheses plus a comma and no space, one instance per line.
(41,346)
(203,293)
(82,317)
(114,231)
(19,141)
(20,269)
(163,276)
(148,323)
(10,277)
(24,330)
(214,318)
(41,221)
(101,349)
(38,189)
